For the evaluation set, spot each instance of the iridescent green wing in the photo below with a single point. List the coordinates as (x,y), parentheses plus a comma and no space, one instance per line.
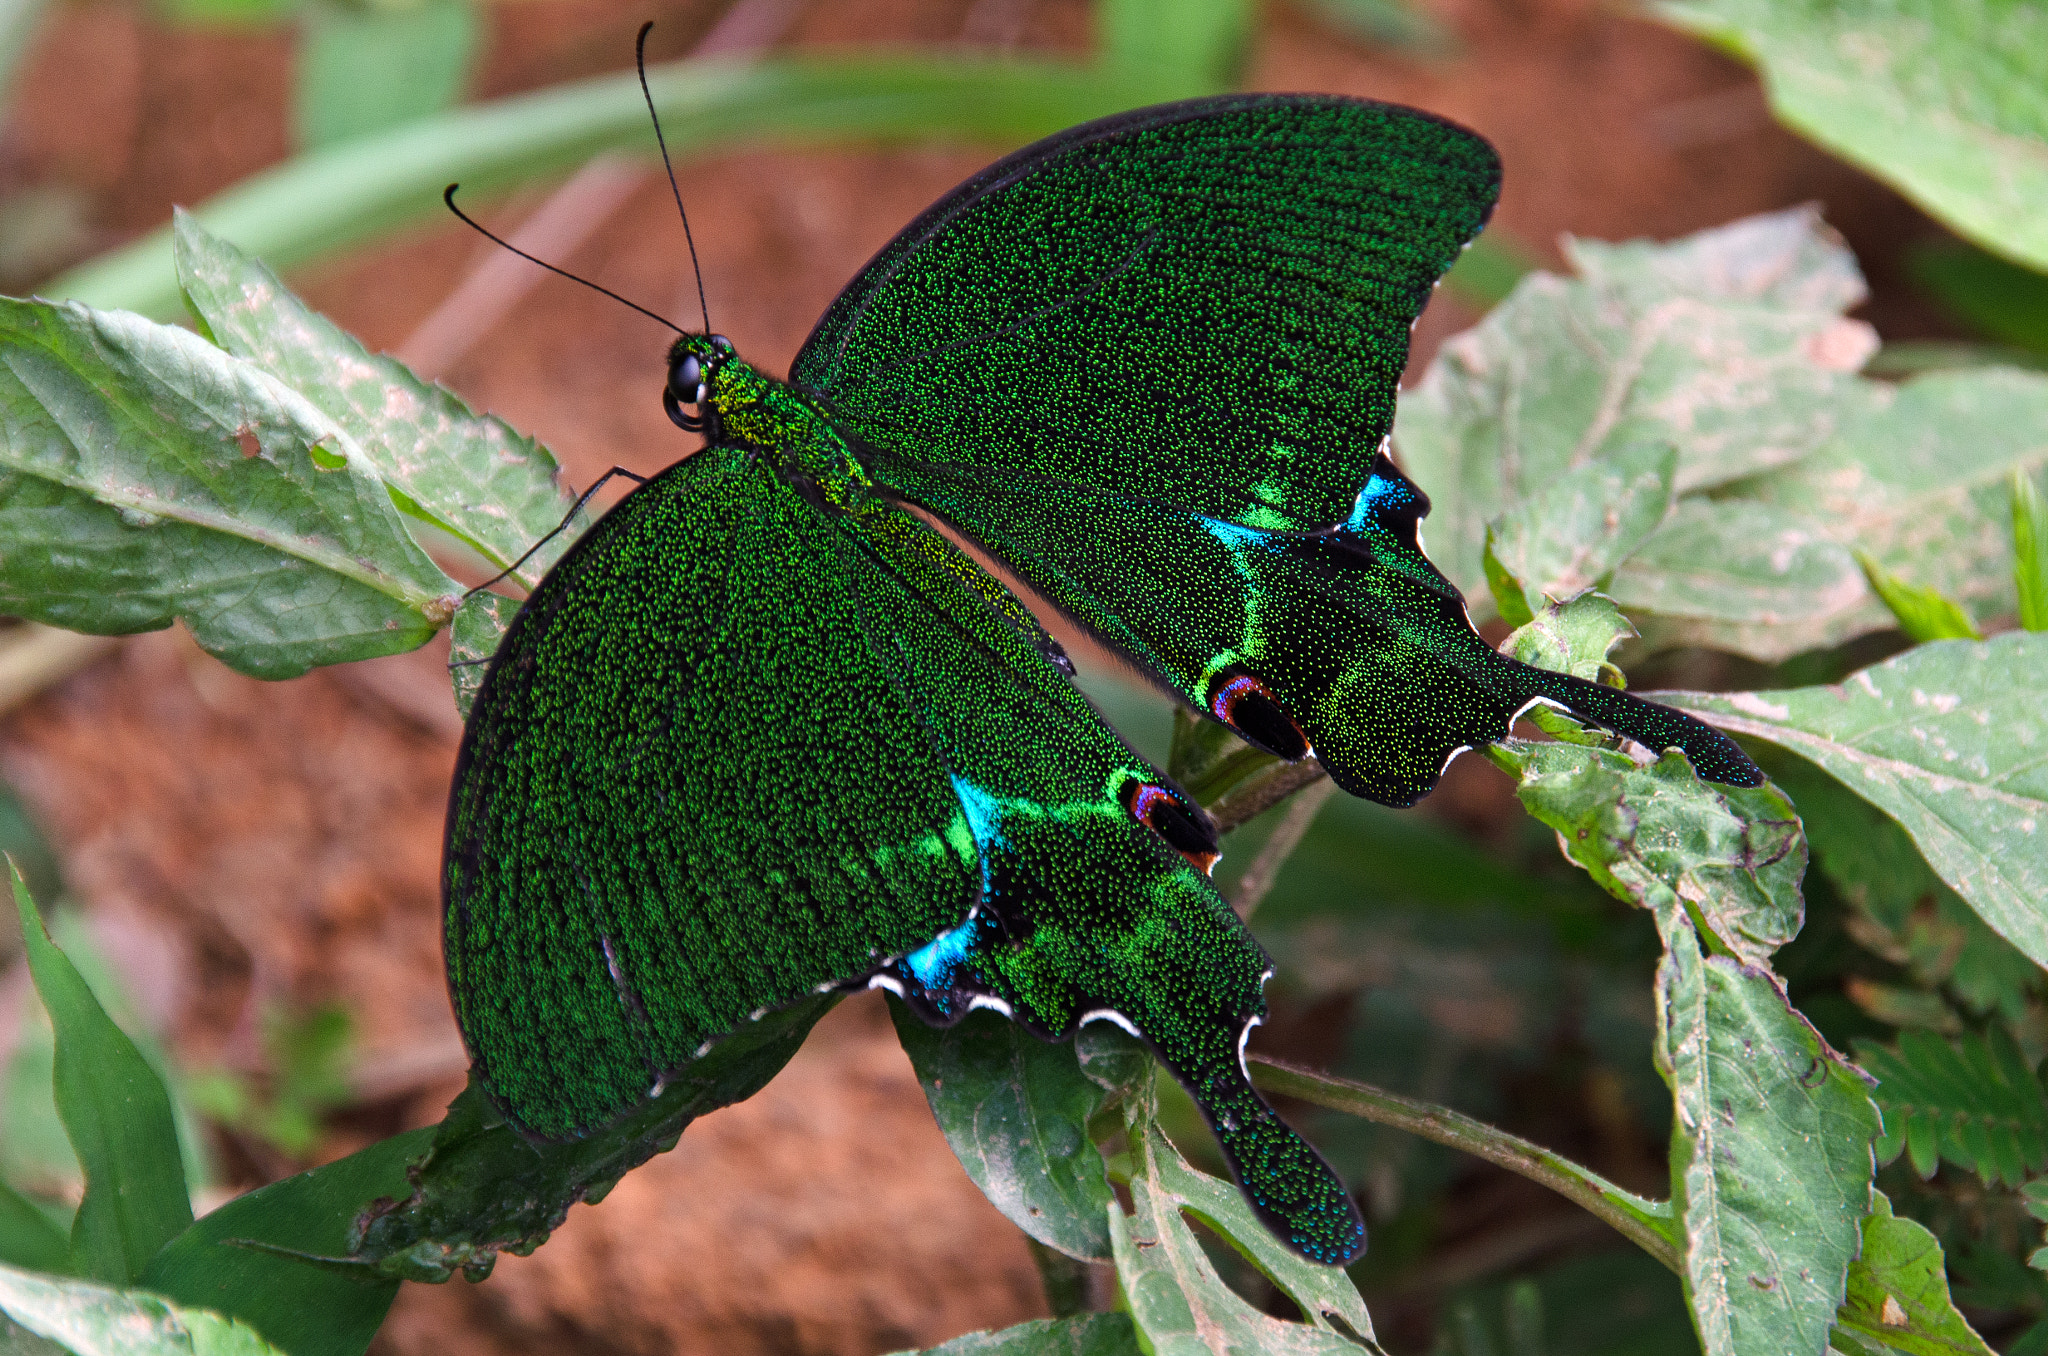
(1151,364)
(1347,641)
(689,791)
(1096,900)
(1205,304)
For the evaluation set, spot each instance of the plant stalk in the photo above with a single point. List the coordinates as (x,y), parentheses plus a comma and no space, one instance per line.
(1646,1223)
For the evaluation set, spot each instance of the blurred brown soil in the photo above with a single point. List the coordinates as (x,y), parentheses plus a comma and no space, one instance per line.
(281,840)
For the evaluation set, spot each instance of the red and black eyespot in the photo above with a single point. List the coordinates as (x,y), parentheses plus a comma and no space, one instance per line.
(1249,707)
(1185,829)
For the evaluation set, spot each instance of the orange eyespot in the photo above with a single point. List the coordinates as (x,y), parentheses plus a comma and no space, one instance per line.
(1249,707)
(1161,811)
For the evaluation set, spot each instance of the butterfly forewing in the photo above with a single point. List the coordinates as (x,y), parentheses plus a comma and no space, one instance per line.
(690,791)
(1206,304)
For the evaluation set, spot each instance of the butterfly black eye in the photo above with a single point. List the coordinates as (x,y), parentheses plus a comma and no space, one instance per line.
(688,375)
(721,343)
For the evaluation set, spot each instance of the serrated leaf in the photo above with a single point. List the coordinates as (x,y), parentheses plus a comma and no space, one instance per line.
(1081,1335)
(1172,1292)
(483,1188)
(1657,836)
(1950,740)
(1574,636)
(1940,99)
(1898,1290)
(145,475)
(117,1115)
(1570,534)
(94,1320)
(1729,345)
(367,68)
(241,1259)
(1770,1152)
(473,476)
(1974,1099)
(1016,1109)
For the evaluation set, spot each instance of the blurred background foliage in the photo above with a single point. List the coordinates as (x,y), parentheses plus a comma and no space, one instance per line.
(1455,955)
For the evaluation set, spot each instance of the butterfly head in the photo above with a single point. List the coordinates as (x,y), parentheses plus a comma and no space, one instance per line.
(695,362)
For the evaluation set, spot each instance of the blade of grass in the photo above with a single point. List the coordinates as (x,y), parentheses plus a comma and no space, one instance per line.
(327,199)
(2030,547)
(117,1113)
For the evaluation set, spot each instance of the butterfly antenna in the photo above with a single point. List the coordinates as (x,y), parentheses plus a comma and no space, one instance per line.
(640,61)
(448,196)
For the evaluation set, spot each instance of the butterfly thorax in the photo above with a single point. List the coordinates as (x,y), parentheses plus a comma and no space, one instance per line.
(739,406)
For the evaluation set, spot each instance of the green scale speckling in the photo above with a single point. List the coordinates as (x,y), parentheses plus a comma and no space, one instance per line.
(763,732)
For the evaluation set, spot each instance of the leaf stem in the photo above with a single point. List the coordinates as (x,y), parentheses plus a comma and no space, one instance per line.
(1646,1223)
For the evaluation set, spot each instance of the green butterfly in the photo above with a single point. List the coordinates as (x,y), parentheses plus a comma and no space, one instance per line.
(764,732)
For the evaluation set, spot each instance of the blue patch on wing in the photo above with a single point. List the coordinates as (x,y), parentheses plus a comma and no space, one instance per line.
(933,964)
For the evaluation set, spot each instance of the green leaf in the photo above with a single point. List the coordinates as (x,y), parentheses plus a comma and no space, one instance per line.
(1920,477)
(1898,1290)
(1941,100)
(364,68)
(473,476)
(28,1237)
(1179,1304)
(242,1259)
(2030,551)
(1662,839)
(1570,534)
(1575,637)
(483,1188)
(479,625)
(1770,1152)
(1923,613)
(1973,1100)
(117,1115)
(93,1320)
(1948,739)
(154,476)
(1729,345)
(1016,1111)
(1081,1335)
(1741,575)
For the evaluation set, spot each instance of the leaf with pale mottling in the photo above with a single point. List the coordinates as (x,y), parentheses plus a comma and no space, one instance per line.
(1570,534)
(473,476)
(473,637)
(1658,835)
(1081,1335)
(1950,740)
(145,475)
(95,1320)
(1941,99)
(1739,575)
(1729,345)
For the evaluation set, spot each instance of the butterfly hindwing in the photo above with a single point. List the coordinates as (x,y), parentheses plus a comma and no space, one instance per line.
(1204,304)
(1096,901)
(689,791)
